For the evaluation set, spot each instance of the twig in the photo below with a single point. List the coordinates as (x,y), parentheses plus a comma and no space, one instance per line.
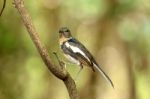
(61,63)
(56,70)
(4,4)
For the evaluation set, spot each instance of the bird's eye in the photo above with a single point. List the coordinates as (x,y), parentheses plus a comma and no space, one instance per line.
(67,30)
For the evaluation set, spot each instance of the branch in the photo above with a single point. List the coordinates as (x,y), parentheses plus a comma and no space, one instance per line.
(56,70)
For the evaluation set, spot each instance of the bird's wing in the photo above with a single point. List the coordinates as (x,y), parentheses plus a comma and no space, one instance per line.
(82,51)
(71,48)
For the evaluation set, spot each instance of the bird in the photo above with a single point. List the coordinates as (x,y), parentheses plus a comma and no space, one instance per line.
(77,53)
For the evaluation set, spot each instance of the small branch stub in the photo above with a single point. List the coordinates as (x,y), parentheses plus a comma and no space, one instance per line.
(61,63)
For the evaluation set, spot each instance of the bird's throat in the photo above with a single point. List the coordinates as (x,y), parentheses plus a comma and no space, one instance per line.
(63,39)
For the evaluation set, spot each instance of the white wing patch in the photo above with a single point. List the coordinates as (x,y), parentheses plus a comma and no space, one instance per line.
(76,50)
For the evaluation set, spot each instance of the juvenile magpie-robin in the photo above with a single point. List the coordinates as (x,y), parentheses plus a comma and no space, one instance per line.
(77,52)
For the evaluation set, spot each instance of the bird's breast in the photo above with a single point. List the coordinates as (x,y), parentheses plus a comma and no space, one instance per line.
(71,59)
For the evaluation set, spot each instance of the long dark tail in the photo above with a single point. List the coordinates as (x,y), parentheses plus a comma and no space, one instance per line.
(104,74)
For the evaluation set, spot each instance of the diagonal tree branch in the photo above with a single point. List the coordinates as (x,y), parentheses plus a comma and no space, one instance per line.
(56,70)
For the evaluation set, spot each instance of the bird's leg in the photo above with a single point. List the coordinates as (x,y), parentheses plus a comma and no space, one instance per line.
(93,68)
(81,67)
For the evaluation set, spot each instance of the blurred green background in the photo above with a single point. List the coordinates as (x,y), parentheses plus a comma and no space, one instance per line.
(117,33)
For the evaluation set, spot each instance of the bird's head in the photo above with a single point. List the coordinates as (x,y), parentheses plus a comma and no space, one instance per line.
(64,32)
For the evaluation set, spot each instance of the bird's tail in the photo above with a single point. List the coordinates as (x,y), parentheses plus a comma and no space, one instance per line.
(104,74)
